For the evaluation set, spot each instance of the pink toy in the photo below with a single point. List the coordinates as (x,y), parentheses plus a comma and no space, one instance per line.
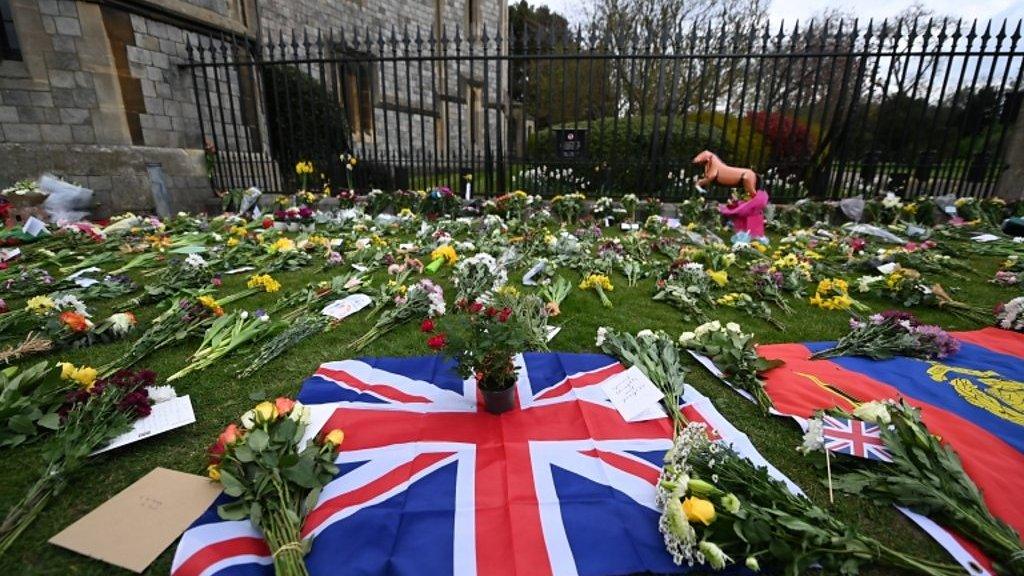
(747,216)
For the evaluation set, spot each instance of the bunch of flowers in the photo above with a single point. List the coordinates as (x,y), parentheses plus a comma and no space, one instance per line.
(439,201)
(303,169)
(604,207)
(906,287)
(926,476)
(1005,278)
(734,354)
(657,356)
(795,271)
(720,509)
(227,334)
(377,201)
(1010,315)
(892,333)
(568,207)
(478,276)
(745,302)
(443,254)
(176,276)
(598,283)
(688,289)
(423,298)
(296,331)
(630,203)
(554,294)
(483,340)
(30,399)
(183,318)
(834,294)
(274,476)
(93,414)
(769,285)
(511,205)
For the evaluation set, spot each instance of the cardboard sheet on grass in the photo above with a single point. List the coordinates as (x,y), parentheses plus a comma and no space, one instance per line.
(974,400)
(430,483)
(131,529)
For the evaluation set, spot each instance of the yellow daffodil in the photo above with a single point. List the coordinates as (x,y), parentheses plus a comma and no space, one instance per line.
(264,282)
(84,376)
(718,277)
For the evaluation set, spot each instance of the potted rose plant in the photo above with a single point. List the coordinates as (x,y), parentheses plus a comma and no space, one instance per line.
(483,340)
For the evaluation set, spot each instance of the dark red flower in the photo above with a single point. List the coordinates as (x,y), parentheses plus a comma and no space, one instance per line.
(504,314)
(492,311)
(438,341)
(267,223)
(427,325)
(475,307)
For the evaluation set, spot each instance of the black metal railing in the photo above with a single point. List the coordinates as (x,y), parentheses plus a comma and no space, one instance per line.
(833,108)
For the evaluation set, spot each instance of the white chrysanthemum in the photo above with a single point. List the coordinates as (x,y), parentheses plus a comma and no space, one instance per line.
(195,261)
(602,333)
(160,394)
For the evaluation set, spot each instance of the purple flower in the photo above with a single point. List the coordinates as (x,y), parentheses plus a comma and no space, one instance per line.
(935,338)
(896,316)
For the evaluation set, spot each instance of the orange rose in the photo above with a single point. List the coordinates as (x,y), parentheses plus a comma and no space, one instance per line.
(229,436)
(74,321)
(284,405)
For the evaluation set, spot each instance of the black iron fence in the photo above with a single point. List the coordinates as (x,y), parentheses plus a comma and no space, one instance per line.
(832,108)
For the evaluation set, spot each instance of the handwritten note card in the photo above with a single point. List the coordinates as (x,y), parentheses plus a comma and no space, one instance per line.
(634,395)
(165,416)
(34,226)
(347,306)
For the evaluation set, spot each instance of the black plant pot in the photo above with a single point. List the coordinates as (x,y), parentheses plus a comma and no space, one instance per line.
(498,401)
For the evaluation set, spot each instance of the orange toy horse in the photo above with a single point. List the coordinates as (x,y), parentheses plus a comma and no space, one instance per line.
(718,172)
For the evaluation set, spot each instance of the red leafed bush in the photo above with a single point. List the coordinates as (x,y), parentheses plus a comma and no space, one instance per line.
(788,138)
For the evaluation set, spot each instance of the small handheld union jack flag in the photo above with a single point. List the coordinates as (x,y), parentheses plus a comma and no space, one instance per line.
(854,438)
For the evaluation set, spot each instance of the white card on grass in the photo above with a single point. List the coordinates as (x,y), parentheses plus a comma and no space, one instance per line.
(553,331)
(240,270)
(986,238)
(633,394)
(33,226)
(165,416)
(347,306)
(9,254)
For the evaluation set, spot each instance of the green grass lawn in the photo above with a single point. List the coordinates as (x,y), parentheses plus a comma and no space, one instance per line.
(218,398)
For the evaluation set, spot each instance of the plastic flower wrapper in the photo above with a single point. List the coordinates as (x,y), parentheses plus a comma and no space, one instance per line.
(96,411)
(719,509)
(554,294)
(926,476)
(269,444)
(598,283)
(733,352)
(444,254)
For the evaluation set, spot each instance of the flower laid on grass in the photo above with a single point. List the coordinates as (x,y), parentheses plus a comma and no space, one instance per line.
(444,254)
(227,334)
(834,294)
(745,302)
(478,276)
(265,282)
(554,293)
(892,333)
(720,509)
(274,477)
(926,476)
(733,353)
(421,299)
(657,356)
(598,283)
(1010,315)
(92,415)
(295,332)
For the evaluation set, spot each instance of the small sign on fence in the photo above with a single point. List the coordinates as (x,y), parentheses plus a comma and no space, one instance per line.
(570,143)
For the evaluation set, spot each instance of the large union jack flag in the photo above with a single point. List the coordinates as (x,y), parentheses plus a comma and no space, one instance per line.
(854,438)
(430,483)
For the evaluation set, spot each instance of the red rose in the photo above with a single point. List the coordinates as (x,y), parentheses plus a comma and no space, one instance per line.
(437,341)
(504,314)
(492,311)
(267,223)
(475,307)
(427,325)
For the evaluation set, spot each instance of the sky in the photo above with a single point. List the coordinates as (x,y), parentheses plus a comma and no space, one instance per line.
(791,10)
